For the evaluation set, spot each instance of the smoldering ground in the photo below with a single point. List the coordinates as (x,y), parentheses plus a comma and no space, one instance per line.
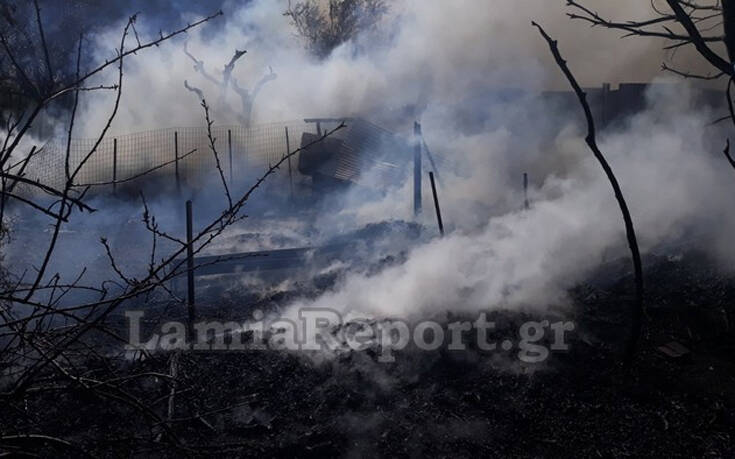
(496,254)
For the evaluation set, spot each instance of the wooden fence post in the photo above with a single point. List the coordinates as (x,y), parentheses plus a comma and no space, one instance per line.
(190,269)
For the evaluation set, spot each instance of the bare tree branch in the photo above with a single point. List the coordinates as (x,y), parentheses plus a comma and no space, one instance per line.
(637,313)
(683,13)
(213,147)
(230,66)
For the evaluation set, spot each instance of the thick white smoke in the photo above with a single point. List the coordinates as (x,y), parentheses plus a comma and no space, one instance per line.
(672,177)
(431,52)
(443,56)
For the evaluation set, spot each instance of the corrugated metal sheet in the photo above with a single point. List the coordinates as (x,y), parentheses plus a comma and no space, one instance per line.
(362,153)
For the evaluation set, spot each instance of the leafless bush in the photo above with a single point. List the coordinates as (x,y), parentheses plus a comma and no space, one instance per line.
(324,27)
(50,350)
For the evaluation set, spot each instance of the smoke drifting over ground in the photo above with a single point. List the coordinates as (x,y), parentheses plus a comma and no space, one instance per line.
(501,256)
(120,352)
(435,61)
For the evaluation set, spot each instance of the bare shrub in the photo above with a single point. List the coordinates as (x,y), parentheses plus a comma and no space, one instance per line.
(326,26)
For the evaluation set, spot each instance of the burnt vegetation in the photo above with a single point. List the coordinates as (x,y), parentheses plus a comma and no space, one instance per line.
(36,349)
(69,388)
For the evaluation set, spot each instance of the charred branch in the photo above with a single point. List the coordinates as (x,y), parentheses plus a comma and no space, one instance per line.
(637,312)
(693,18)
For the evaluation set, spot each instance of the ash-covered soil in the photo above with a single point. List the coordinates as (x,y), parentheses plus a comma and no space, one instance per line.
(448,404)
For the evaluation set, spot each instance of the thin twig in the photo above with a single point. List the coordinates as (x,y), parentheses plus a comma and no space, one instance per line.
(213,147)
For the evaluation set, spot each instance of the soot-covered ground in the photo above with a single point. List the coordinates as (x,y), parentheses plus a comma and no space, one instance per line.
(447,404)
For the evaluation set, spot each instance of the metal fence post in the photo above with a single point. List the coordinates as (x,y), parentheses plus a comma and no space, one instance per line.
(436,204)
(417,169)
(176,160)
(229,148)
(190,268)
(604,104)
(288,153)
(114,165)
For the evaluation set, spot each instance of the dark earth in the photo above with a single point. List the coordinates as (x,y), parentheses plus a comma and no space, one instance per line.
(582,403)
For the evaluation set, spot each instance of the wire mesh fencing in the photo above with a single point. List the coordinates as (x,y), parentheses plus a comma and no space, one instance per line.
(176,156)
(183,156)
